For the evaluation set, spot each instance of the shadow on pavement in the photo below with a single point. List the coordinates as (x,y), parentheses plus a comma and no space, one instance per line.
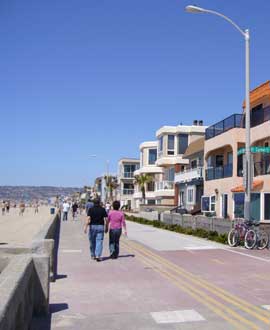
(44,323)
(60,277)
(121,256)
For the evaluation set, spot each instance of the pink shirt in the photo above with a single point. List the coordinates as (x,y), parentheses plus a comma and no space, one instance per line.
(116,219)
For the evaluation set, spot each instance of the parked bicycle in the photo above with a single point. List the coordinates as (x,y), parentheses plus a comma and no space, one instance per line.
(250,233)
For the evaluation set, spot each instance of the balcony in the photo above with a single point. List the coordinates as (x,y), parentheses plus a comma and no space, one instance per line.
(189,175)
(128,191)
(220,172)
(128,175)
(262,168)
(164,189)
(234,121)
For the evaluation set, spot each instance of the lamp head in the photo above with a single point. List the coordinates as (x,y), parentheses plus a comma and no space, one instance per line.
(195,9)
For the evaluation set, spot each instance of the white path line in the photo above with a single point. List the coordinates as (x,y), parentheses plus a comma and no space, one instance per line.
(177,316)
(247,255)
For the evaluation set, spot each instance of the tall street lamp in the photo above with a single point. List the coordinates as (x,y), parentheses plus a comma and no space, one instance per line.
(247,165)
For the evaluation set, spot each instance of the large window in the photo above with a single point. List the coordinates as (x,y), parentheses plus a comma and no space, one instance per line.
(190,195)
(267,206)
(170,144)
(208,204)
(257,115)
(152,156)
(182,143)
(205,204)
(160,143)
(255,207)
(129,170)
(169,174)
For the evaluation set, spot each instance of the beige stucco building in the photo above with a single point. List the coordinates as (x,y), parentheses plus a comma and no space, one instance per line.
(223,161)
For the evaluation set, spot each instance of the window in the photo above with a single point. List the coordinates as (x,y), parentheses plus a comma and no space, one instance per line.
(229,158)
(213,203)
(205,204)
(182,143)
(219,160)
(257,115)
(169,174)
(255,206)
(239,205)
(193,163)
(152,156)
(267,206)
(170,144)
(160,143)
(190,195)
(240,165)
(151,202)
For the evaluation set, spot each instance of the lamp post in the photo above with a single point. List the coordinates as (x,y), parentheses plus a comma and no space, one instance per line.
(245,34)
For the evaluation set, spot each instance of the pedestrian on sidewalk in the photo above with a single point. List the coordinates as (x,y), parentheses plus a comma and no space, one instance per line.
(7,206)
(88,205)
(3,206)
(74,210)
(66,208)
(107,207)
(96,220)
(36,206)
(116,221)
(22,208)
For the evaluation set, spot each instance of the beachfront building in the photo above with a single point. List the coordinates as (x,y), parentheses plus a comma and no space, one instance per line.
(173,142)
(126,169)
(148,158)
(189,179)
(224,159)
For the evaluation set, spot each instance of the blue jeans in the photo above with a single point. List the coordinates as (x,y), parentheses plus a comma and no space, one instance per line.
(114,237)
(65,216)
(96,235)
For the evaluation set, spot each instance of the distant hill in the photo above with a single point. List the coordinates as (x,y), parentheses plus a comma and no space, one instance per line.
(28,193)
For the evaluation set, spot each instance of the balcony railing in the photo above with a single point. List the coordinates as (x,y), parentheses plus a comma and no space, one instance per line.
(190,174)
(236,120)
(164,185)
(220,172)
(262,168)
(128,191)
(128,175)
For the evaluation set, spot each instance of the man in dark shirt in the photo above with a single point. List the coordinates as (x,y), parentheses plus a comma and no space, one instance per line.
(96,220)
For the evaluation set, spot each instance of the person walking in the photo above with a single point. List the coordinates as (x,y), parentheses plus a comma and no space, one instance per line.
(74,210)
(66,208)
(116,221)
(36,206)
(3,206)
(107,207)
(7,206)
(88,205)
(22,208)
(96,221)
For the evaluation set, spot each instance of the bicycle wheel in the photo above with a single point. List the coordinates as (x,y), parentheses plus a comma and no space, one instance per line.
(233,237)
(250,239)
(262,239)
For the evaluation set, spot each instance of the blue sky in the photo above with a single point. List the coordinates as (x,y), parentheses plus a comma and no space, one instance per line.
(82,77)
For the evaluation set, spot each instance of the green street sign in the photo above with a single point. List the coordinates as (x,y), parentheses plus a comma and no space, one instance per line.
(258,149)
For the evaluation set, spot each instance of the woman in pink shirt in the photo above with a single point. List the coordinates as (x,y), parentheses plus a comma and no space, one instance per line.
(116,220)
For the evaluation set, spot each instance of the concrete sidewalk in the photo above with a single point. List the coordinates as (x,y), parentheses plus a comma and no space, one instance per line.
(129,293)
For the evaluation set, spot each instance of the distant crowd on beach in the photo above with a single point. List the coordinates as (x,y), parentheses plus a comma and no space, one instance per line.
(21,206)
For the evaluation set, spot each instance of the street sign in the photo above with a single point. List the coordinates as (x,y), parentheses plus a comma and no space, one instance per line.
(254,150)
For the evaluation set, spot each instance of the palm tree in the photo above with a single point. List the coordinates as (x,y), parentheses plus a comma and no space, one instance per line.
(111,185)
(141,180)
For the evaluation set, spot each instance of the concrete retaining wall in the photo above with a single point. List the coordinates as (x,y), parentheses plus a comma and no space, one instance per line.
(24,291)
(220,225)
(25,277)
